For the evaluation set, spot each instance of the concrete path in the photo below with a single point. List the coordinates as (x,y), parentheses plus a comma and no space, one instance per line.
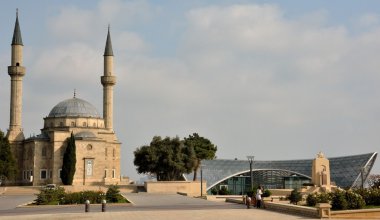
(226,214)
(8,202)
(146,206)
(174,201)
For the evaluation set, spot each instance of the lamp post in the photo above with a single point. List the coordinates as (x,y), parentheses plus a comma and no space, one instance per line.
(250,160)
(202,166)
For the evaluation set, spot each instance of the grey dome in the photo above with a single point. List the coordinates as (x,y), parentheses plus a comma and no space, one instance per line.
(85,134)
(74,107)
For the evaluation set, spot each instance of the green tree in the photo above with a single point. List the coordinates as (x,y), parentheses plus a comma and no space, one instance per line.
(69,161)
(167,159)
(204,150)
(7,162)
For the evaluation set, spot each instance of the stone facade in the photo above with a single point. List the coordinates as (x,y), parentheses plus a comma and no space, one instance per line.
(39,158)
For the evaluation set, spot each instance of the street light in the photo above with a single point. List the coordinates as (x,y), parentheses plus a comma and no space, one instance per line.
(250,160)
(202,166)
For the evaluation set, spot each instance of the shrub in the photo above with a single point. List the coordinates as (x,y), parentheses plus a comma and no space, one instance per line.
(113,195)
(371,196)
(354,200)
(50,196)
(338,200)
(314,198)
(223,191)
(93,196)
(73,198)
(266,193)
(81,197)
(214,191)
(311,199)
(295,196)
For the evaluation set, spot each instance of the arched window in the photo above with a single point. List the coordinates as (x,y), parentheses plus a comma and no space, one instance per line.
(72,124)
(51,124)
(113,152)
(17,64)
(94,124)
(61,124)
(84,124)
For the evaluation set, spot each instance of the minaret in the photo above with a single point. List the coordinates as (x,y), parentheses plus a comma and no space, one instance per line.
(16,71)
(108,81)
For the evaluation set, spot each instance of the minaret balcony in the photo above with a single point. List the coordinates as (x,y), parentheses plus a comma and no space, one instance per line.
(108,80)
(16,70)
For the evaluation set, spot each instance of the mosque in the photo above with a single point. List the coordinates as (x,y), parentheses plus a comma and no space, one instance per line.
(39,159)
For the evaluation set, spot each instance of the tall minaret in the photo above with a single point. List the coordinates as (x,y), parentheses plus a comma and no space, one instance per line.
(108,81)
(16,71)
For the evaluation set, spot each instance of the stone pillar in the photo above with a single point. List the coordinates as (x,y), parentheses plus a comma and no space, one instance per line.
(324,210)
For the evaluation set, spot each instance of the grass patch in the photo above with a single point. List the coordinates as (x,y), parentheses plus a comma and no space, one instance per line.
(372,207)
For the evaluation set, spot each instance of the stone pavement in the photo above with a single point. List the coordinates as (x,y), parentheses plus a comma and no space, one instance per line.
(227,214)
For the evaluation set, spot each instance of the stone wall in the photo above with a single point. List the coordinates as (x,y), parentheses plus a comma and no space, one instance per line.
(358,214)
(293,209)
(184,187)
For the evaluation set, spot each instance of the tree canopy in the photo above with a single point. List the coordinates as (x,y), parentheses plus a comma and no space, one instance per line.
(168,159)
(69,162)
(8,168)
(204,150)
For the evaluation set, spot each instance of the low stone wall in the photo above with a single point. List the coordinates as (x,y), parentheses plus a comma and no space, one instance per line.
(188,188)
(128,188)
(223,198)
(293,209)
(357,214)
(280,192)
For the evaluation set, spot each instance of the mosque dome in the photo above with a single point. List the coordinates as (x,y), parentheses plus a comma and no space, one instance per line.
(75,108)
(85,134)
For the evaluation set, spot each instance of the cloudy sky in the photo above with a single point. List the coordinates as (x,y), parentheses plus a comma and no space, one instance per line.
(278,80)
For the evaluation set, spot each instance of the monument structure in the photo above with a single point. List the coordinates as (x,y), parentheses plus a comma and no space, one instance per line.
(320,175)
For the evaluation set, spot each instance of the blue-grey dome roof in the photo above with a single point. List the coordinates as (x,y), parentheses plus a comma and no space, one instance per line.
(74,107)
(85,134)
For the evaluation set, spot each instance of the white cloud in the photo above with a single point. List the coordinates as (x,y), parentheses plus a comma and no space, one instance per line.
(298,78)
(368,20)
(246,76)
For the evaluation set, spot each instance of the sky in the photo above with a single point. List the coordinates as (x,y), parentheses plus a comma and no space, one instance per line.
(279,80)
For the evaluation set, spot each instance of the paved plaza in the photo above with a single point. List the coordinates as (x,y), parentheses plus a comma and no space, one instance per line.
(144,206)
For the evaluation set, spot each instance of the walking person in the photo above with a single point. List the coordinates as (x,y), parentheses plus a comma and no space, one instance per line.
(259,192)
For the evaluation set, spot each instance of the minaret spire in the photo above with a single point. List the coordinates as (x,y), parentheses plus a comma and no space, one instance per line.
(16,71)
(108,50)
(17,40)
(108,80)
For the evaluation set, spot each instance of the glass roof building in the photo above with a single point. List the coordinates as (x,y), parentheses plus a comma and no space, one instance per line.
(346,172)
